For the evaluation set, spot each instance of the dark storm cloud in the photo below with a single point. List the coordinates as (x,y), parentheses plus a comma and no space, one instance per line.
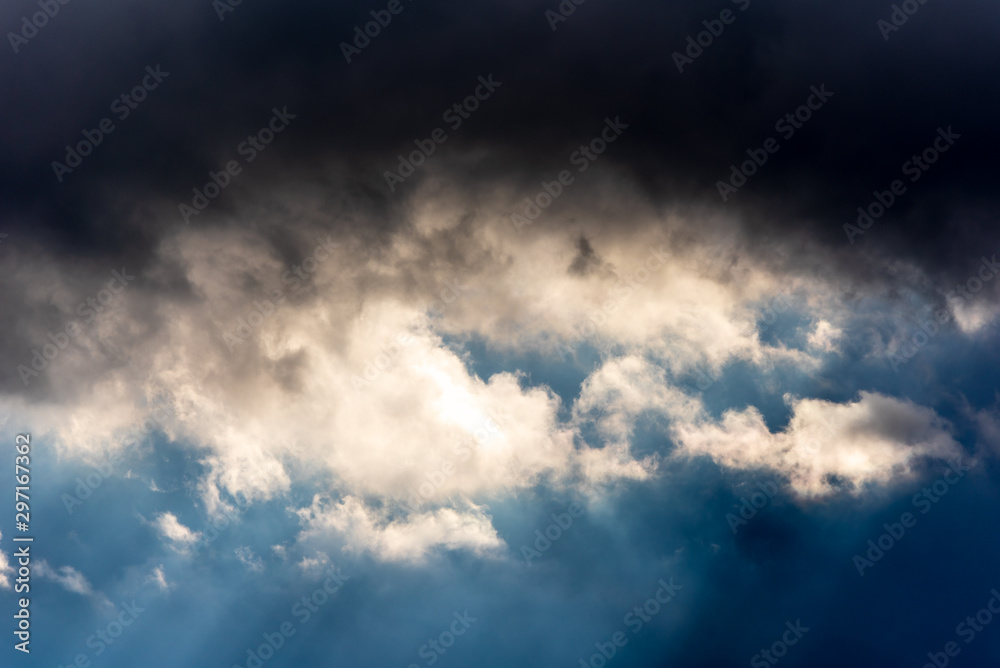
(557,86)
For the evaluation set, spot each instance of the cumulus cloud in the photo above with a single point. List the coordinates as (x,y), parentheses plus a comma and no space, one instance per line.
(179,535)
(828,447)
(368,530)
(825,448)
(354,377)
(824,336)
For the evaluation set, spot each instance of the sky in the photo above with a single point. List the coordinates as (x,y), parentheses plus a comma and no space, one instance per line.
(418,333)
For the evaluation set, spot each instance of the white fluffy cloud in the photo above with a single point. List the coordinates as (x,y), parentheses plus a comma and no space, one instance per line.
(825,447)
(179,535)
(367,530)
(828,446)
(353,378)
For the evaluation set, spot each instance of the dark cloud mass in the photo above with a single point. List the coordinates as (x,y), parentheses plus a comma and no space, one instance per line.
(389,321)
